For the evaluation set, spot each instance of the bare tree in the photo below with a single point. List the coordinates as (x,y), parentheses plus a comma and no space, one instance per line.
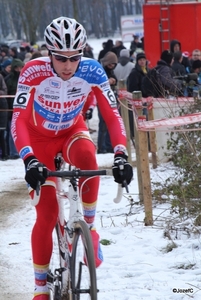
(27,19)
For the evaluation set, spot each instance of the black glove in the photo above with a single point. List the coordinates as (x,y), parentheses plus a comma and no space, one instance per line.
(33,174)
(122,170)
(89,114)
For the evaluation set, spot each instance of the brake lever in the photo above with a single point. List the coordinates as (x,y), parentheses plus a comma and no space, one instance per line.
(121,168)
(40,170)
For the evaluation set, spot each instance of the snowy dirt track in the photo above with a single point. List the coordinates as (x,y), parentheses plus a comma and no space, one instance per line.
(13,199)
(136,265)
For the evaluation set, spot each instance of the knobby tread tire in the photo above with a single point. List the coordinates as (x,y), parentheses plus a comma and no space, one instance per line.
(57,295)
(82,230)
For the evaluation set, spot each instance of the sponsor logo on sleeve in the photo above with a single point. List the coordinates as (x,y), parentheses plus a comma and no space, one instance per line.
(24,151)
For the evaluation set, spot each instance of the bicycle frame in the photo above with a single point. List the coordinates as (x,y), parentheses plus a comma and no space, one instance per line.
(60,282)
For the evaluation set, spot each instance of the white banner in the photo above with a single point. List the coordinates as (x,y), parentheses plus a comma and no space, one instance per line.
(172,122)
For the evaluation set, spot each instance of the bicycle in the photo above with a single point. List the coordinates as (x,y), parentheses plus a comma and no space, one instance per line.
(74,275)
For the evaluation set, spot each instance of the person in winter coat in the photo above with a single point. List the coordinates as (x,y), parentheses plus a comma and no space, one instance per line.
(88,51)
(118,47)
(11,82)
(134,83)
(108,46)
(177,66)
(4,53)
(135,43)
(175,46)
(124,66)
(170,85)
(109,62)
(3,118)
(6,67)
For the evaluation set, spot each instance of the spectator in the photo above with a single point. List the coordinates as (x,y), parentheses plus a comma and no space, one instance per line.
(28,57)
(3,118)
(196,54)
(22,53)
(109,62)
(44,52)
(142,43)
(134,83)
(36,54)
(118,47)
(196,66)
(169,84)
(6,67)
(124,65)
(135,43)
(88,51)
(11,82)
(107,47)
(139,71)
(13,52)
(175,46)
(177,66)
(195,85)
(4,54)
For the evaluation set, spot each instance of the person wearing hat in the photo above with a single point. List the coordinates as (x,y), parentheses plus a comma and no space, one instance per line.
(4,53)
(118,47)
(195,85)
(109,62)
(170,85)
(139,71)
(135,43)
(107,46)
(196,66)
(134,82)
(11,81)
(175,46)
(124,66)
(6,67)
(177,66)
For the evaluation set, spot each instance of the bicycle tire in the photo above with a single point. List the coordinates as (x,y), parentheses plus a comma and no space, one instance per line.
(83,289)
(57,291)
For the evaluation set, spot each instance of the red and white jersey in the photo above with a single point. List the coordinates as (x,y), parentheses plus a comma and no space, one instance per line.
(50,106)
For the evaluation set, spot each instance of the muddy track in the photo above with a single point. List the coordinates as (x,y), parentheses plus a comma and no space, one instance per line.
(12,200)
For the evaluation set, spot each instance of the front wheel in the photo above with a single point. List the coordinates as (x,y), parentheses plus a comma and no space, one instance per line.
(83,270)
(57,278)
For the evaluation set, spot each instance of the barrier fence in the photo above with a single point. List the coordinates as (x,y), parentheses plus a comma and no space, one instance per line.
(142,127)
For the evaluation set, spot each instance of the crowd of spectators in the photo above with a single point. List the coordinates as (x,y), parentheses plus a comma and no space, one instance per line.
(119,63)
(12,61)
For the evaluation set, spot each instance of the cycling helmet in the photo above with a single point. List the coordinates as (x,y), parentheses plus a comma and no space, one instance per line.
(65,34)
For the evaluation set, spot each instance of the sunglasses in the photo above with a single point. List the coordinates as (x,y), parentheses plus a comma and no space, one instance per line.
(64,58)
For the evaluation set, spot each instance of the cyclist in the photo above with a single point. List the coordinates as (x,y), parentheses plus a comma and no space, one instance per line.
(48,119)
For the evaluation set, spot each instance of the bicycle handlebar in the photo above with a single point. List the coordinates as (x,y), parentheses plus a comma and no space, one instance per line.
(79,173)
(88,173)
(85,173)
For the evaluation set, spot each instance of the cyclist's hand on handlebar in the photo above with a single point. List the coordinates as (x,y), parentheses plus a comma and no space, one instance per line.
(122,170)
(35,172)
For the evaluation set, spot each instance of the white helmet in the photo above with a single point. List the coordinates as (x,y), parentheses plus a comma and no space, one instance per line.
(65,34)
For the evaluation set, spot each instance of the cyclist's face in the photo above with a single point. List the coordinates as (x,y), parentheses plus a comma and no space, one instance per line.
(65,63)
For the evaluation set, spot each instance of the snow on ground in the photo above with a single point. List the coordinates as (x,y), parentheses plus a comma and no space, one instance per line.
(136,264)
